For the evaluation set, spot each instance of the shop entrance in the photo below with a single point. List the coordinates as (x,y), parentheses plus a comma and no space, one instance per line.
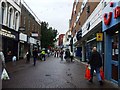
(115,59)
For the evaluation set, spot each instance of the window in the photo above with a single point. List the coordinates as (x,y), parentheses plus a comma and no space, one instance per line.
(3,12)
(24,21)
(10,17)
(29,25)
(83,5)
(16,20)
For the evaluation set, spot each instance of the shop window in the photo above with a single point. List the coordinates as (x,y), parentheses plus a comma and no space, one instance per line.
(115,48)
(114,72)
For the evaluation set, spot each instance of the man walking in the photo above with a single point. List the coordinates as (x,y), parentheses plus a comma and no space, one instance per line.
(35,55)
(95,62)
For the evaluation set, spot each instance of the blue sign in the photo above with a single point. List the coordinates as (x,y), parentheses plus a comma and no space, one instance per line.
(111,15)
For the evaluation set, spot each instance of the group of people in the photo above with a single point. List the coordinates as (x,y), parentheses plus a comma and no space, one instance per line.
(95,60)
(35,53)
(68,55)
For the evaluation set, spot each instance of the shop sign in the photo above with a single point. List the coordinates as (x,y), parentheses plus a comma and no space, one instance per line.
(79,34)
(88,25)
(99,37)
(34,34)
(108,17)
(111,15)
(6,33)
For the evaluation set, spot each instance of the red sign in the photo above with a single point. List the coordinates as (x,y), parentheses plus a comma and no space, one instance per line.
(107,17)
(117,12)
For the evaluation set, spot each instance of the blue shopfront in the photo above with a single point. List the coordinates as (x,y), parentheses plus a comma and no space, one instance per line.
(111,29)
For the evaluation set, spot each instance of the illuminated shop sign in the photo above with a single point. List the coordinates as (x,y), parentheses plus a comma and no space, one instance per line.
(6,33)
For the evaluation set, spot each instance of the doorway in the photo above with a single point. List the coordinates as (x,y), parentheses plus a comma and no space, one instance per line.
(115,59)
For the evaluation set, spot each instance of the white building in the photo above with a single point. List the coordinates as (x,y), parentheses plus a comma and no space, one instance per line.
(10,11)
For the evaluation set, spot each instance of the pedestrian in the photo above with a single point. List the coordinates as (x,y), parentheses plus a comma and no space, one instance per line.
(71,56)
(14,58)
(43,54)
(9,56)
(95,62)
(61,54)
(35,55)
(55,53)
(67,54)
(48,52)
(28,54)
(2,58)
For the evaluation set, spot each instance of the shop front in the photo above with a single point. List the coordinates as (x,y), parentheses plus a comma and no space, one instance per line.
(91,28)
(94,40)
(111,29)
(23,45)
(9,42)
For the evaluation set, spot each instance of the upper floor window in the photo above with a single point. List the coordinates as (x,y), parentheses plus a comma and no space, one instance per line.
(16,20)
(3,11)
(83,5)
(24,21)
(29,25)
(10,17)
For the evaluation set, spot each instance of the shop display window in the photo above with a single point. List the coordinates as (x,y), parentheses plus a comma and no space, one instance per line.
(115,50)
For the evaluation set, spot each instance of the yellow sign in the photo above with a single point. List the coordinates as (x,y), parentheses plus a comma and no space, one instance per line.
(99,37)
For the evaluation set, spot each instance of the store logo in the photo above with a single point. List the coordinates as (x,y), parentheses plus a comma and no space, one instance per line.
(117,12)
(108,16)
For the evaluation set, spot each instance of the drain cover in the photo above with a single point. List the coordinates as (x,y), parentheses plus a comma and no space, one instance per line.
(47,75)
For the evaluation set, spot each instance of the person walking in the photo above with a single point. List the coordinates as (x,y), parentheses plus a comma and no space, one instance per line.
(71,56)
(67,55)
(35,55)
(95,62)
(43,54)
(48,52)
(28,54)
(61,54)
(14,58)
(57,53)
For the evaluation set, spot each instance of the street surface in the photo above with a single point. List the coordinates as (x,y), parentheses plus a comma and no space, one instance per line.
(52,73)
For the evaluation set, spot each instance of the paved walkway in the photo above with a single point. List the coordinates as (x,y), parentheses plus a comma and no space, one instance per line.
(51,73)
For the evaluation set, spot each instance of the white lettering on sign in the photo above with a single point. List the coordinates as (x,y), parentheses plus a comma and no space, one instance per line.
(7,33)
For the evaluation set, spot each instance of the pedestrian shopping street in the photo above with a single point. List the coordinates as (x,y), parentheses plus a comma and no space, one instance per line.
(52,73)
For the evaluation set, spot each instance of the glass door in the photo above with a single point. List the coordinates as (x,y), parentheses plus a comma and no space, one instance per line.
(115,52)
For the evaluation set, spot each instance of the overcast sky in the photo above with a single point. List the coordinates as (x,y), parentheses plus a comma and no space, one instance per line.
(56,12)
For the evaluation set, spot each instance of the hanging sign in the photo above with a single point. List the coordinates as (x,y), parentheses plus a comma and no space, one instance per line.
(99,37)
